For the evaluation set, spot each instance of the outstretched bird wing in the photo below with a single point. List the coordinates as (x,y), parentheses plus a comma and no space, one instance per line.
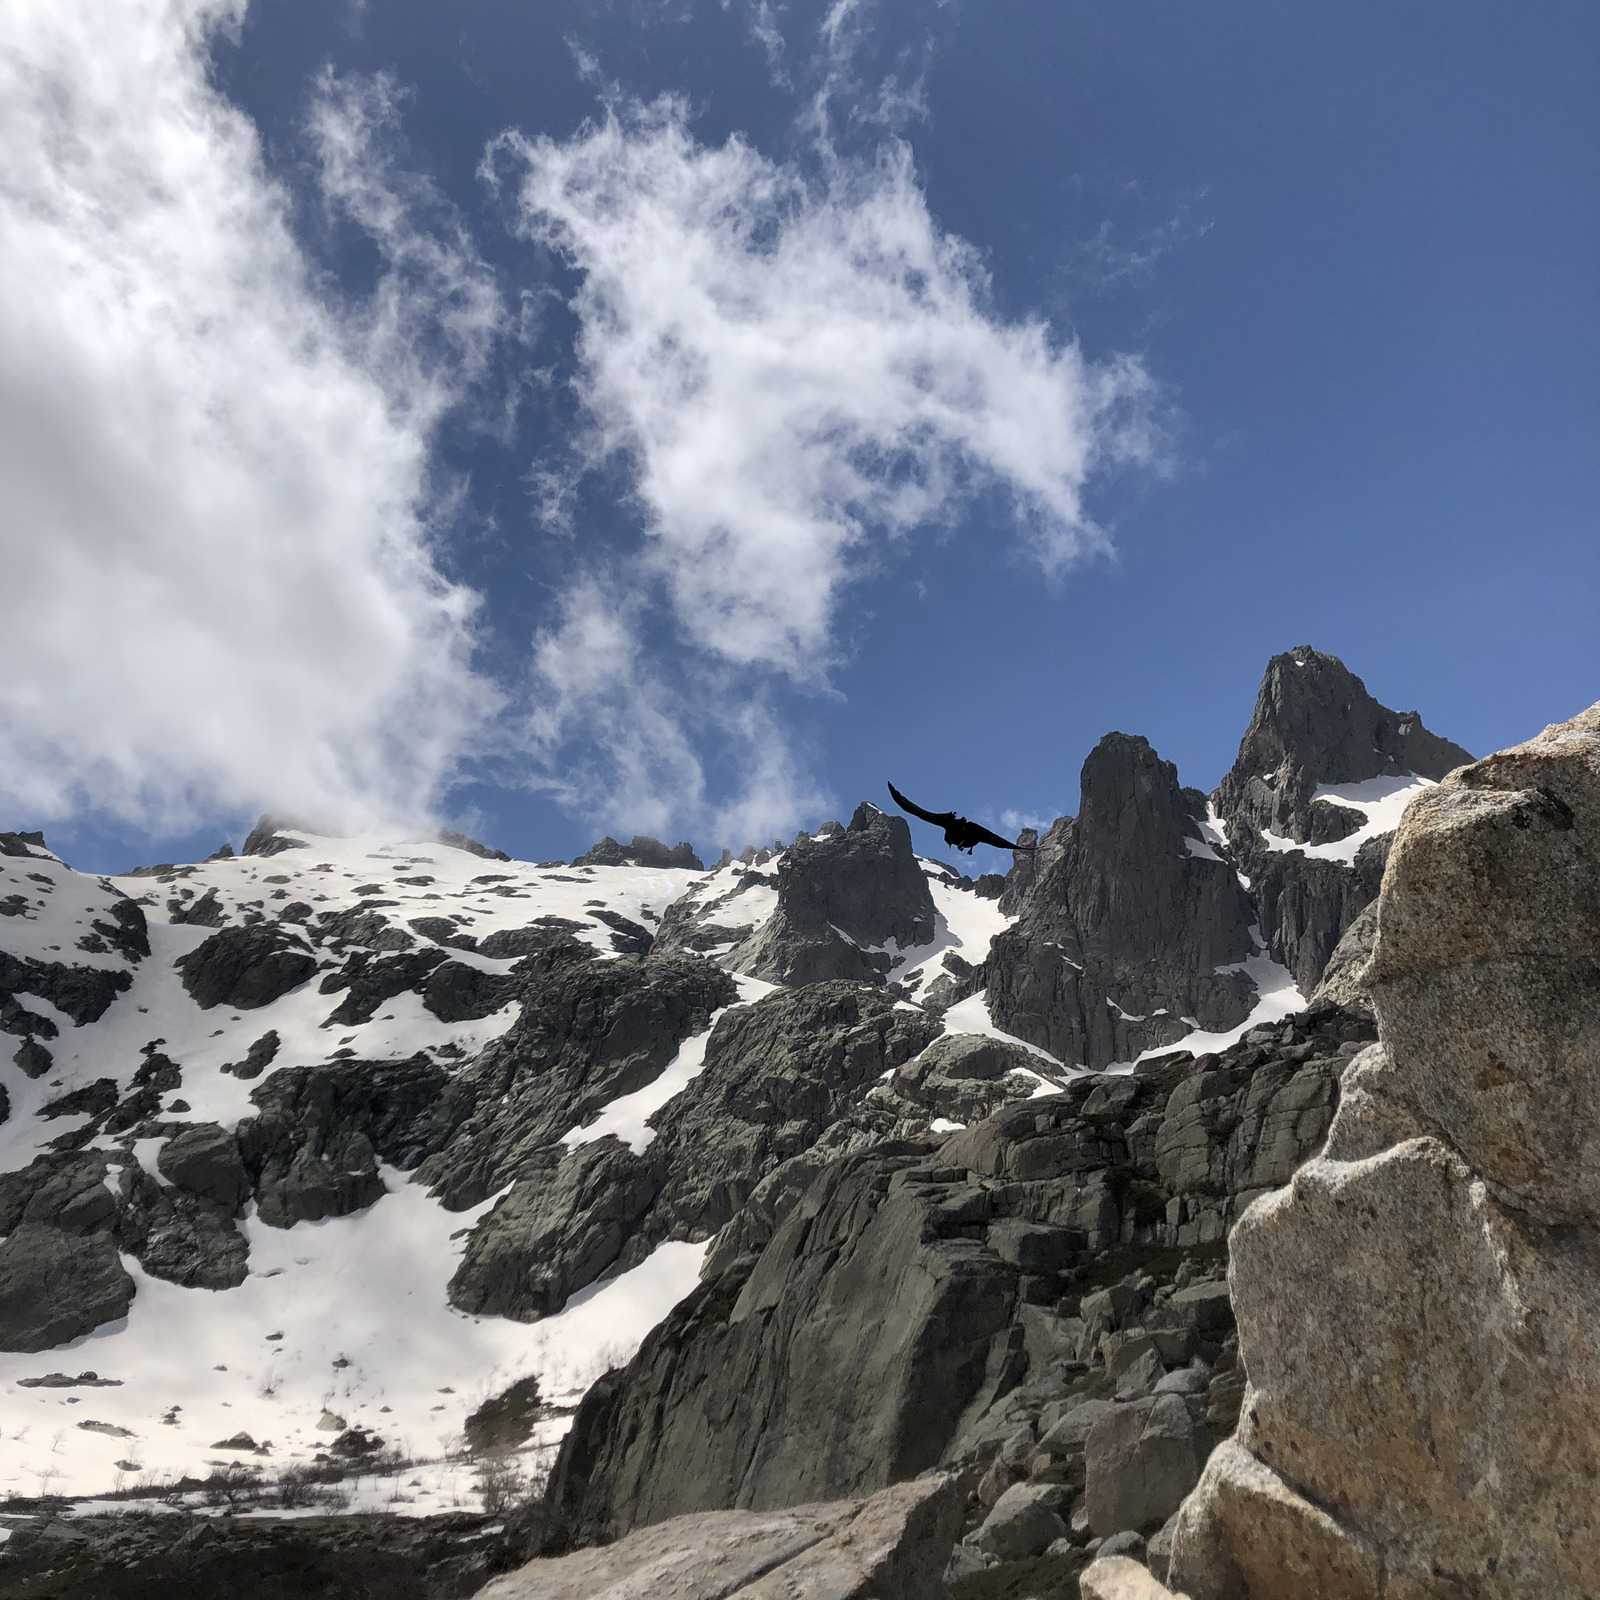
(942,819)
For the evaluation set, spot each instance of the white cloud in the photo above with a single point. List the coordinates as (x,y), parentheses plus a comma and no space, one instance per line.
(217,587)
(800,371)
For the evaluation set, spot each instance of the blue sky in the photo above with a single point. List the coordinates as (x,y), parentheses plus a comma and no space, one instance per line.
(576,418)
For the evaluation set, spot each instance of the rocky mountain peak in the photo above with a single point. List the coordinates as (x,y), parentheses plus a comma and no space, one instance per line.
(1132,802)
(843,898)
(1126,919)
(1314,723)
(1323,775)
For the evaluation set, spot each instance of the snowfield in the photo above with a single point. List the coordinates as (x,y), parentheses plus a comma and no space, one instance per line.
(341,1322)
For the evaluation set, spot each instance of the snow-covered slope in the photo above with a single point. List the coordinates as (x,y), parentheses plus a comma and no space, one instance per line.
(344,1317)
(343,1321)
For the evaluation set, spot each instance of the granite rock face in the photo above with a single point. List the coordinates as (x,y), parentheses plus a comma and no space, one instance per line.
(843,898)
(1419,1311)
(835,1363)
(1123,919)
(894,1544)
(1314,723)
(893,1312)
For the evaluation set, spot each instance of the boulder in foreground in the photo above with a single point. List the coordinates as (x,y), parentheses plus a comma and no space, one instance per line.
(894,1544)
(1419,1312)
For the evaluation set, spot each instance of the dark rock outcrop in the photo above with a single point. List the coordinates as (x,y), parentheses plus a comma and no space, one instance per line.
(60,1275)
(84,993)
(836,1366)
(1121,922)
(271,836)
(313,1150)
(892,1545)
(245,967)
(843,899)
(461,841)
(556,1232)
(1314,723)
(779,1077)
(24,844)
(588,1031)
(643,852)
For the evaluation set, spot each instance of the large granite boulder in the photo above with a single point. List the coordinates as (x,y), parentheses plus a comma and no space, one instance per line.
(56,1285)
(894,1544)
(1123,921)
(1419,1311)
(848,901)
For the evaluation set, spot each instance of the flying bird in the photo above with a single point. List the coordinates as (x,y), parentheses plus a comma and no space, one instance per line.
(957,830)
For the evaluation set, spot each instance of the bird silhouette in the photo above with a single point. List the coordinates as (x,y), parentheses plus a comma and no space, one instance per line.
(958,831)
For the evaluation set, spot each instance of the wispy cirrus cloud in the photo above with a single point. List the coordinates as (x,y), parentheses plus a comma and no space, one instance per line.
(219,591)
(801,371)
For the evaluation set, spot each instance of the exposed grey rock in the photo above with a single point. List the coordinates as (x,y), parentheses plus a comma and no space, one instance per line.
(508,943)
(185,1236)
(1140,1461)
(1023,1523)
(24,844)
(588,1031)
(1343,980)
(271,837)
(894,1544)
(779,1075)
(838,1362)
(204,1159)
(206,912)
(61,1190)
(1121,929)
(461,842)
(827,1322)
(628,938)
(362,924)
(456,992)
(56,1285)
(643,852)
(369,983)
(312,1151)
(442,930)
(261,1054)
(1304,904)
(245,967)
(841,900)
(1314,723)
(555,1232)
(84,993)
(964,1077)
(1120,1577)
